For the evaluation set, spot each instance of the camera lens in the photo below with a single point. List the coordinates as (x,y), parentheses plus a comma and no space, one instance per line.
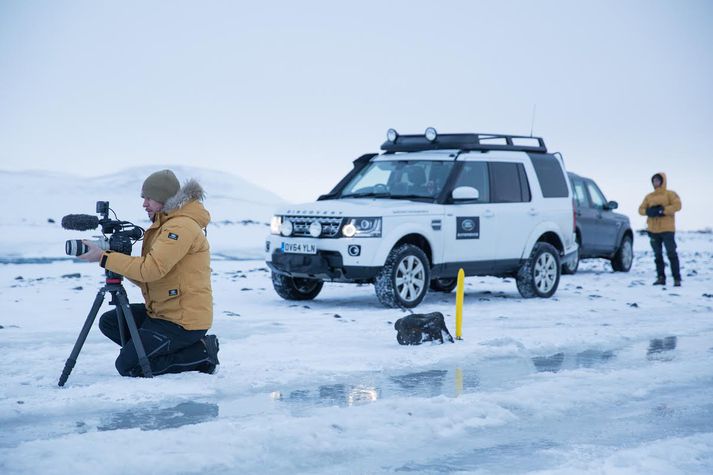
(75,247)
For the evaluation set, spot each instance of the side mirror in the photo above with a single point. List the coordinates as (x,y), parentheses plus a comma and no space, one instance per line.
(465,193)
(612,205)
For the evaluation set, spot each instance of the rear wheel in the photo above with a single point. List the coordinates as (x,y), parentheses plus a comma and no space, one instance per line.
(296,288)
(539,276)
(403,281)
(444,285)
(624,257)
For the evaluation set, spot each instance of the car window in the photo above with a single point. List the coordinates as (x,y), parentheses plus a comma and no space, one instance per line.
(378,175)
(550,175)
(505,183)
(399,178)
(475,174)
(524,183)
(580,194)
(598,200)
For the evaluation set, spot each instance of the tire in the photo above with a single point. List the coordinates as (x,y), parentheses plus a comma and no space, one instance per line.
(624,257)
(403,281)
(296,288)
(539,276)
(571,269)
(444,285)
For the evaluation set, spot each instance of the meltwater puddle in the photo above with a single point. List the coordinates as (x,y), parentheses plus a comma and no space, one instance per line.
(482,375)
(159,418)
(488,374)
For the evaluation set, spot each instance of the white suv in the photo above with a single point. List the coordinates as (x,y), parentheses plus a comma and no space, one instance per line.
(408,219)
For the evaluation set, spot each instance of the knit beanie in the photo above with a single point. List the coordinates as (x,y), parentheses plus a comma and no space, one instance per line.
(160,186)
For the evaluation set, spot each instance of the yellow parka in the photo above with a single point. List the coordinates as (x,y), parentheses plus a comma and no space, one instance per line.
(174,268)
(671,204)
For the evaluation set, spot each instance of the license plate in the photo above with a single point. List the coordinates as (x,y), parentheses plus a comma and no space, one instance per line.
(299,248)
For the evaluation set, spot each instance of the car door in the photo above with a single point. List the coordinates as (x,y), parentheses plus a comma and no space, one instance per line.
(470,232)
(604,225)
(514,213)
(586,218)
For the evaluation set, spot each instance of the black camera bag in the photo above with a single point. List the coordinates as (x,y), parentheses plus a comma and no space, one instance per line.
(417,328)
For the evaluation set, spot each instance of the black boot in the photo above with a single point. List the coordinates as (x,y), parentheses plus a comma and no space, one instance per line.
(660,281)
(211,350)
(677,282)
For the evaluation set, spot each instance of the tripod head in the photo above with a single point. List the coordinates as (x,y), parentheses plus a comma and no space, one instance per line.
(112,278)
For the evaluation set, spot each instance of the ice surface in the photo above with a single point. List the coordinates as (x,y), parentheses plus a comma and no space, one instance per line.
(612,375)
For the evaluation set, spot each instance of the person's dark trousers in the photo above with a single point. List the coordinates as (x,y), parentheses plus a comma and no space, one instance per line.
(667,240)
(170,347)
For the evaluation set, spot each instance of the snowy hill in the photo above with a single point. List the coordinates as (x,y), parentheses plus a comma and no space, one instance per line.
(239,209)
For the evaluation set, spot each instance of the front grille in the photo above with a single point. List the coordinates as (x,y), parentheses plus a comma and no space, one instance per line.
(301,224)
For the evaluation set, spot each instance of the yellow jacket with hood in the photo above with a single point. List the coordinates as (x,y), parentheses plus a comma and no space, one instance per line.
(173,271)
(671,204)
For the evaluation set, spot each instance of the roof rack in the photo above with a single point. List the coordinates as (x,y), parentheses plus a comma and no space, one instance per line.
(475,141)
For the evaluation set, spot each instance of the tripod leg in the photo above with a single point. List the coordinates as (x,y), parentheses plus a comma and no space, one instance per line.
(71,361)
(124,310)
(120,318)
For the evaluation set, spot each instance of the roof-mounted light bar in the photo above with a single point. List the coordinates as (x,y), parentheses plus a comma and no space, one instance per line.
(431,140)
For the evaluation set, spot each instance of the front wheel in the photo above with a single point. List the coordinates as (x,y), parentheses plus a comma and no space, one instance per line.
(404,279)
(624,257)
(296,288)
(539,276)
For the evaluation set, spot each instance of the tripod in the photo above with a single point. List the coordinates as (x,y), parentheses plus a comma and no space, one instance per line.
(123,314)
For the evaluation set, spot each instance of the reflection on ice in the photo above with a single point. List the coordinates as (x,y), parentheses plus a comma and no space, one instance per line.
(155,418)
(548,363)
(331,395)
(425,383)
(466,377)
(658,348)
(559,361)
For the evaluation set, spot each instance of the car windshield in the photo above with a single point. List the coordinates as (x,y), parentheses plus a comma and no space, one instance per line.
(400,179)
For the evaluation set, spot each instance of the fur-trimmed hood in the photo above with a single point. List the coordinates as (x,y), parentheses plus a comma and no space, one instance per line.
(190,191)
(661,175)
(188,202)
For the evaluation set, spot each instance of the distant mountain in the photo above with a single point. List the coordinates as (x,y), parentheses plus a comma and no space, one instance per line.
(34,196)
(33,199)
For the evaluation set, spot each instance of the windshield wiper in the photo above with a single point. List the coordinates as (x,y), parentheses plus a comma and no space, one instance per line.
(412,197)
(367,195)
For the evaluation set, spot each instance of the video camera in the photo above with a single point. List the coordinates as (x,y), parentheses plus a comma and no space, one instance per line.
(123,234)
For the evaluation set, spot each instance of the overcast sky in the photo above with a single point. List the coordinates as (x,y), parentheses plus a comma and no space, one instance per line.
(287,94)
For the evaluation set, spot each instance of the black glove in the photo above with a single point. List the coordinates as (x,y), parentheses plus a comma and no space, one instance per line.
(654,211)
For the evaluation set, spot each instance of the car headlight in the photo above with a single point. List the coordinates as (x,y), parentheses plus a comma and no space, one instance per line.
(275,224)
(362,227)
(286,228)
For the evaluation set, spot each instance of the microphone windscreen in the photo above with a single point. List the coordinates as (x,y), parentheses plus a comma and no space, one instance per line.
(80,222)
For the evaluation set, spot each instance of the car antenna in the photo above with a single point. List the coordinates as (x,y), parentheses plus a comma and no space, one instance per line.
(532,124)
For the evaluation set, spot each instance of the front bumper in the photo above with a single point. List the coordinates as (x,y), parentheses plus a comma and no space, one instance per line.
(325,265)
(335,259)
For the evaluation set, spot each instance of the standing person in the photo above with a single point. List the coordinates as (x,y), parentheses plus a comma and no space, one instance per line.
(174,275)
(661,206)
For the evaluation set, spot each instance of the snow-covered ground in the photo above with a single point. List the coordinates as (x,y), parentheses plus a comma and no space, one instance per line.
(610,376)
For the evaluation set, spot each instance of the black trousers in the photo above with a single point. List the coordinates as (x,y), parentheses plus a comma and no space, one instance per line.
(169,347)
(667,240)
